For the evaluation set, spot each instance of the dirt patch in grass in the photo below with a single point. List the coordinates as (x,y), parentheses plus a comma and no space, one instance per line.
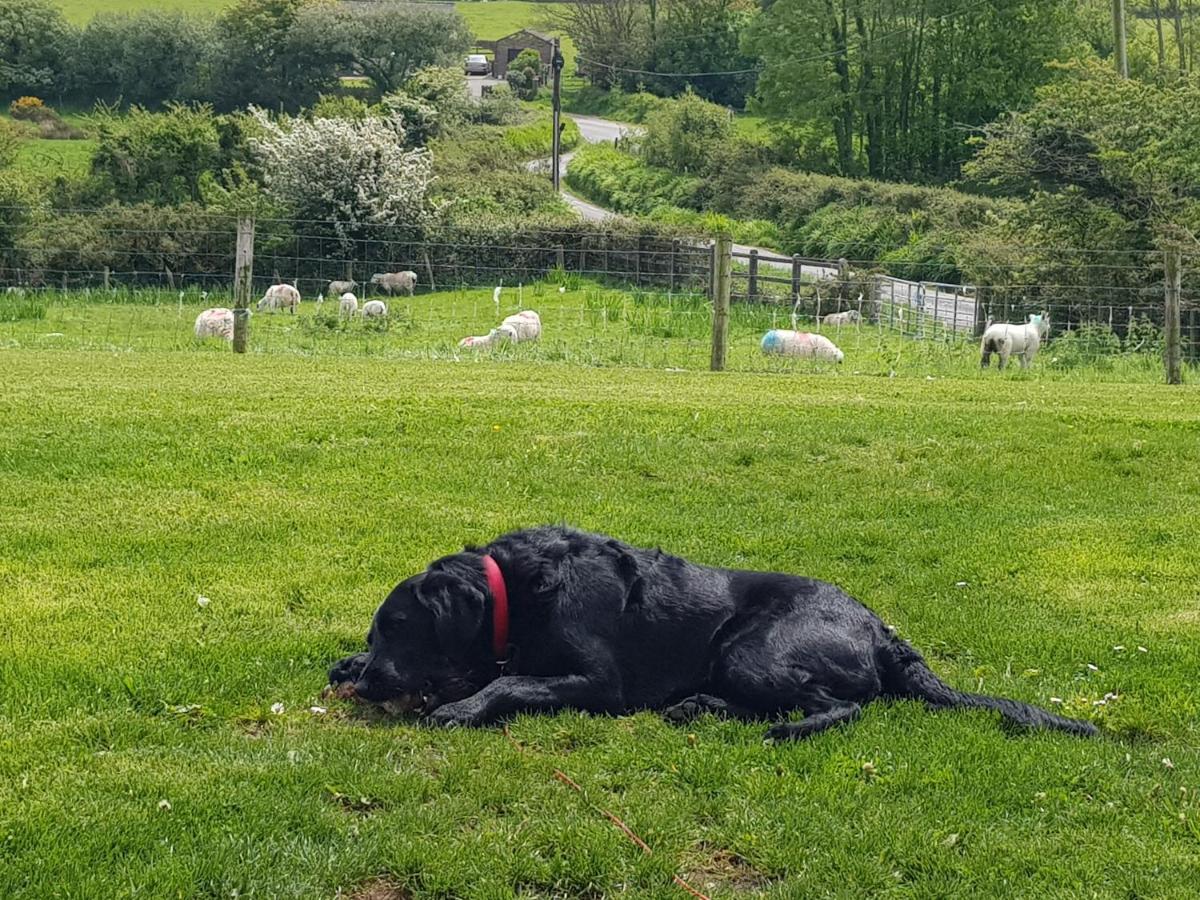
(715,867)
(376,889)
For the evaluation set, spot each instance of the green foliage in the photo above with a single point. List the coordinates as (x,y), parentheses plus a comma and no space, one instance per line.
(524,74)
(22,306)
(262,61)
(11,136)
(146,59)
(625,42)
(443,88)
(387,42)
(1134,145)
(622,182)
(35,43)
(613,103)
(498,106)
(339,106)
(899,100)
(157,157)
(683,135)
(533,140)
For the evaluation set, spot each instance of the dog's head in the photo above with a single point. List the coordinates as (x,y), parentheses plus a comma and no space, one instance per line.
(428,644)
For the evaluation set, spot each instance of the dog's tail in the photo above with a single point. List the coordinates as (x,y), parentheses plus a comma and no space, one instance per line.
(911,677)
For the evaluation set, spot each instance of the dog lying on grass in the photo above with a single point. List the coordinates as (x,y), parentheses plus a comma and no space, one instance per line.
(551,618)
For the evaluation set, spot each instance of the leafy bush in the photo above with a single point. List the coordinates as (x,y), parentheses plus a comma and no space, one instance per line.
(1090,344)
(681,135)
(157,157)
(621,182)
(27,108)
(499,106)
(339,106)
(524,74)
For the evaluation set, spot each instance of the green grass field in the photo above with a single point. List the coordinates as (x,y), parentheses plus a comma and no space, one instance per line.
(587,323)
(50,158)
(1032,535)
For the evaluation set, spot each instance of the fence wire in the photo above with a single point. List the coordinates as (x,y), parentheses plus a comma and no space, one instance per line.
(605,298)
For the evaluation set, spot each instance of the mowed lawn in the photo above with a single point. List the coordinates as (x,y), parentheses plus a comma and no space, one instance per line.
(1036,539)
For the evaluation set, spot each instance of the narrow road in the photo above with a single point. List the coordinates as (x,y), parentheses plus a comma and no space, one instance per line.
(594,130)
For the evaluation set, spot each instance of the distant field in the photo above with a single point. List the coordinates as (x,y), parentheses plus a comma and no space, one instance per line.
(80,11)
(489,20)
(51,158)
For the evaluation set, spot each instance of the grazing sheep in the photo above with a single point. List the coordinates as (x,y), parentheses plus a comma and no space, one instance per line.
(847,317)
(280,296)
(1024,340)
(216,323)
(778,342)
(348,305)
(374,309)
(523,326)
(395,282)
(337,288)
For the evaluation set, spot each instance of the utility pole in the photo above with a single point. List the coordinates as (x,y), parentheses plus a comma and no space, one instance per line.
(1119,38)
(556,64)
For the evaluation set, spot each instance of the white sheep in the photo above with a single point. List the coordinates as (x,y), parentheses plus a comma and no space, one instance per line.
(1023,340)
(348,305)
(280,296)
(846,317)
(523,326)
(395,282)
(341,287)
(374,309)
(779,342)
(216,323)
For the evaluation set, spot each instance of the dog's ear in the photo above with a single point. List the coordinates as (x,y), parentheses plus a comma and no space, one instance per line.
(456,603)
(630,573)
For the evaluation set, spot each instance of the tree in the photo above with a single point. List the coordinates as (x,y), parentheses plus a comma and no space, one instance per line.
(682,135)
(899,84)
(524,74)
(353,175)
(34,43)
(145,59)
(258,59)
(157,158)
(694,36)
(613,38)
(386,41)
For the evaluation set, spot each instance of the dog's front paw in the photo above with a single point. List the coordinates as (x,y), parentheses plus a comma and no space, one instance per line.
(347,670)
(453,715)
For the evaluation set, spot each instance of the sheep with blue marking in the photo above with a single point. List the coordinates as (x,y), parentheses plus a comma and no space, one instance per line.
(800,345)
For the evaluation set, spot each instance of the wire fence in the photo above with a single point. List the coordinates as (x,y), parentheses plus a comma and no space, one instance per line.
(605,296)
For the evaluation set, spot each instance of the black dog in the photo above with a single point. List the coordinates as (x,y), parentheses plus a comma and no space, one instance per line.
(570,619)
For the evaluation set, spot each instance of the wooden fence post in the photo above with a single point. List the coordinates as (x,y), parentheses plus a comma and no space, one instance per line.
(671,269)
(724,282)
(753,277)
(243,282)
(428,267)
(560,259)
(107,276)
(1173,268)
(797,271)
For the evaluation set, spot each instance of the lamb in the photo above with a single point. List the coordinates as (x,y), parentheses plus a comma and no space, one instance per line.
(374,309)
(846,317)
(337,288)
(778,342)
(280,296)
(523,326)
(348,305)
(395,282)
(217,322)
(1005,339)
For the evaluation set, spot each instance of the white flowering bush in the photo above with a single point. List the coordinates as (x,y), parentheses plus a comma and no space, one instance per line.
(351,174)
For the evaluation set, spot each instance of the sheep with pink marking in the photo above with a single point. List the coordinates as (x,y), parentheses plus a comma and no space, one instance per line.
(215,323)
(801,345)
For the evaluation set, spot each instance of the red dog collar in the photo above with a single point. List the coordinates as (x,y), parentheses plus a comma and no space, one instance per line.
(495,580)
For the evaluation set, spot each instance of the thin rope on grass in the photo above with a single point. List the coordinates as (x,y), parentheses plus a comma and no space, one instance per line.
(612,817)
